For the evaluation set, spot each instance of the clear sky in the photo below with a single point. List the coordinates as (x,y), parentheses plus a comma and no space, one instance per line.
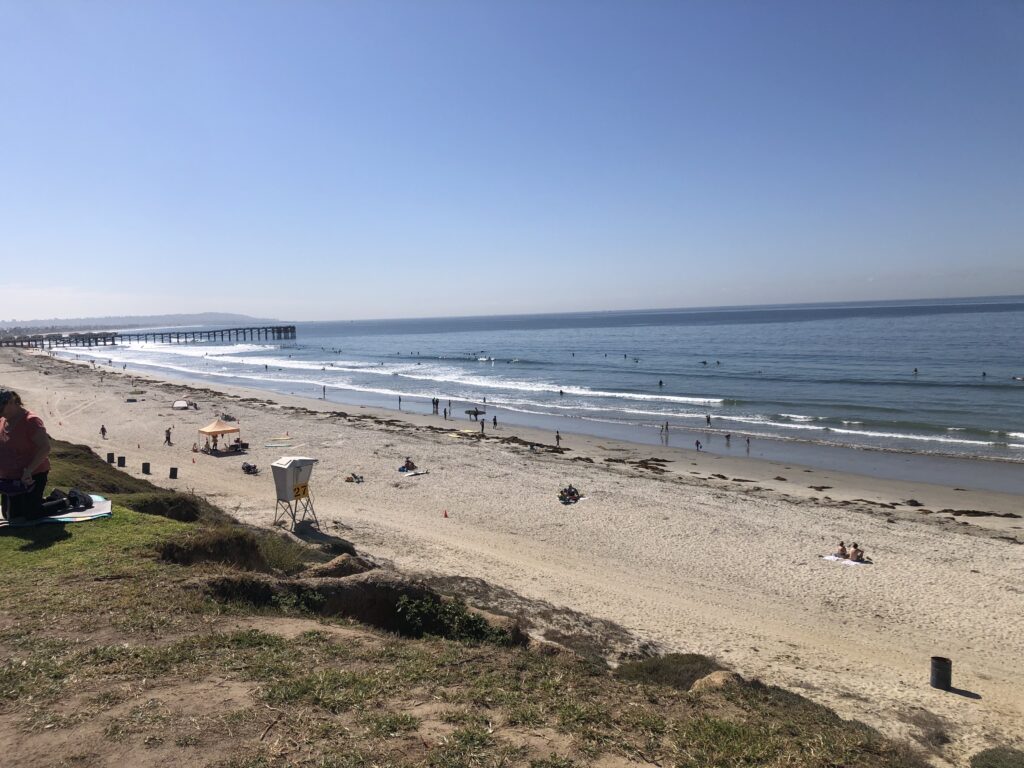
(309,159)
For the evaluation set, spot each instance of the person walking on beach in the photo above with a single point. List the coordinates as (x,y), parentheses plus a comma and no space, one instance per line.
(697,443)
(558,439)
(446,414)
(708,417)
(167,436)
(495,422)
(103,431)
(399,402)
(482,424)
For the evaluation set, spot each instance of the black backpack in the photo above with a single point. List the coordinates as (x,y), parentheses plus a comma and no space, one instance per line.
(55,503)
(79,500)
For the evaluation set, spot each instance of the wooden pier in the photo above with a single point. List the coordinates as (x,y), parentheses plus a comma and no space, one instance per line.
(104,338)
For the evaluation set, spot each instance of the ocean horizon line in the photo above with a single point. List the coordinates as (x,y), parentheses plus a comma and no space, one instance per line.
(960,301)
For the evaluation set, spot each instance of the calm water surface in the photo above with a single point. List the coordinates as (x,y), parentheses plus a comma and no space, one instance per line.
(836,375)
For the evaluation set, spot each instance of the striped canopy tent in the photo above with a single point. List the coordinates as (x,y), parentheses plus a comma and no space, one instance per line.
(216,428)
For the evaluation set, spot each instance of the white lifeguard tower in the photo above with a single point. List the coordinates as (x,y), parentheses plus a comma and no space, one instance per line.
(291,480)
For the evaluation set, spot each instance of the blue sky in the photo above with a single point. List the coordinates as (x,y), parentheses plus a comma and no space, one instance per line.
(335,160)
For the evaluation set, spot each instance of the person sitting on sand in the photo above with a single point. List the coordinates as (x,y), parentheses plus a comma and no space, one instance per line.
(409,466)
(856,553)
(842,552)
(195,447)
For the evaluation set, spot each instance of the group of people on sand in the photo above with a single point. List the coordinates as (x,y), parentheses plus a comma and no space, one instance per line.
(854,553)
(234,446)
(207,448)
(569,495)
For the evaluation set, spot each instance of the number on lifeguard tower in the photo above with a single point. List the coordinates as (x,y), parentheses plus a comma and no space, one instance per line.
(300,491)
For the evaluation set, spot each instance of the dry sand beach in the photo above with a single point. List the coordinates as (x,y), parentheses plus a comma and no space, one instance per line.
(695,553)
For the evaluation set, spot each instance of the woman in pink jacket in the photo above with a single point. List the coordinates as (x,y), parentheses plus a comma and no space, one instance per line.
(24,458)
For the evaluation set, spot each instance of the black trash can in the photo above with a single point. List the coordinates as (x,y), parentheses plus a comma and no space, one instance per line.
(145,467)
(942,673)
(110,458)
(120,461)
(174,473)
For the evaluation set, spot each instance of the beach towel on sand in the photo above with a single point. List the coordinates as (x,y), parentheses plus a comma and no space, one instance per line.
(837,559)
(100,509)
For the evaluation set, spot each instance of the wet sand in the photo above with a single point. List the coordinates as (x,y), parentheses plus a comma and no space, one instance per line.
(693,552)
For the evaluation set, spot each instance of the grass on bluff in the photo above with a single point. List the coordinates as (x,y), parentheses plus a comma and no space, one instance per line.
(112,653)
(998,757)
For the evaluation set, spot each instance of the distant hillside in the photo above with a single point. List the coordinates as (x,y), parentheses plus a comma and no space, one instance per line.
(128,321)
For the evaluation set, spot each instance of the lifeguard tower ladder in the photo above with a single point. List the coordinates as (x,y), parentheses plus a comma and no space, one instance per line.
(291,480)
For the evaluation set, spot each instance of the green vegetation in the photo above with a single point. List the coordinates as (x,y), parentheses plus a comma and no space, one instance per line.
(677,670)
(446,618)
(998,757)
(108,628)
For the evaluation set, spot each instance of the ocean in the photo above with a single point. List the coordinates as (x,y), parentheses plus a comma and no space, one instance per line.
(928,377)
